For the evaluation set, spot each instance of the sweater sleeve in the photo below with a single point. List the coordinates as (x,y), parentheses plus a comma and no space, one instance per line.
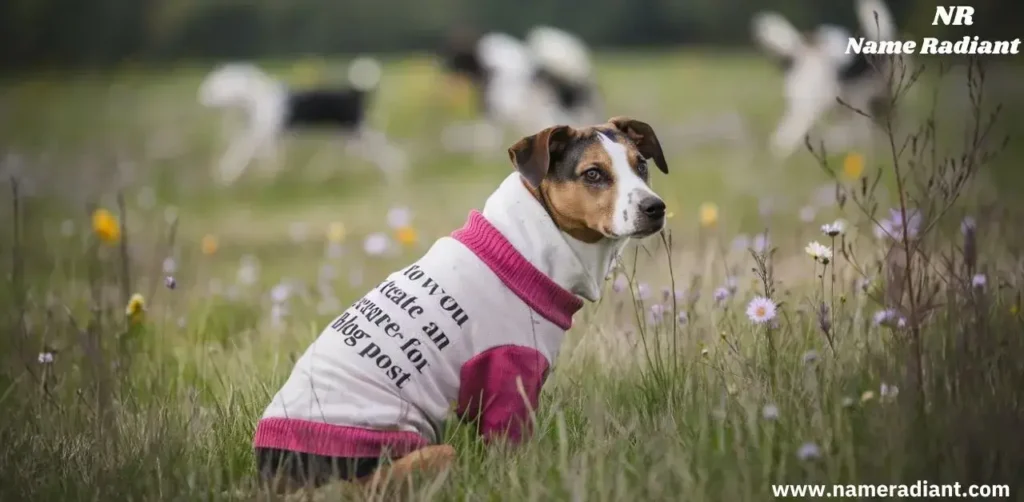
(489,391)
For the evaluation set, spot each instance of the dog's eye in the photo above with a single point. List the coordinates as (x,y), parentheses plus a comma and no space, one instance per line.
(641,167)
(593,175)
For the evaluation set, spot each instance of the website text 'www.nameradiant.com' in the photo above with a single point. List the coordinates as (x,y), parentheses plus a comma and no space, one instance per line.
(922,489)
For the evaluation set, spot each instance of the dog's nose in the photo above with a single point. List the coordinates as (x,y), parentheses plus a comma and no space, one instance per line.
(653,208)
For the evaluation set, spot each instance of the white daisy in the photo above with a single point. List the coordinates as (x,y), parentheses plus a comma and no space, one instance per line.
(819,252)
(833,229)
(280,293)
(721,294)
(45,357)
(761,310)
(883,316)
(886,391)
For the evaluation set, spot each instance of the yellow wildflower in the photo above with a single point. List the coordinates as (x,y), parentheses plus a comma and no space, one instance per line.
(406,236)
(853,166)
(1014,309)
(136,307)
(209,244)
(867,396)
(708,214)
(336,232)
(106,226)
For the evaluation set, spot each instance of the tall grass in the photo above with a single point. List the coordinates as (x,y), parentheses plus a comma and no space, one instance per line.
(898,360)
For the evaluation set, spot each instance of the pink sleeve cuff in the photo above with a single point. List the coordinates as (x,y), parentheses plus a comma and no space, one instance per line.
(489,391)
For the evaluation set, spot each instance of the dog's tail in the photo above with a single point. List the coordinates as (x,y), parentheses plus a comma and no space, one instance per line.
(882,28)
(776,34)
(364,74)
(231,84)
(504,55)
(560,53)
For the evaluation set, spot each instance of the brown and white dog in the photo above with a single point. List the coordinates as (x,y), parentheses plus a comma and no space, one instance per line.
(507,286)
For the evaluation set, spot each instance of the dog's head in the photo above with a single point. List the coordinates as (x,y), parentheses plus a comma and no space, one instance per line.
(231,85)
(595,180)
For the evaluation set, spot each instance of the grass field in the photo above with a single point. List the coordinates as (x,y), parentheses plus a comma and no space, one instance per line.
(640,405)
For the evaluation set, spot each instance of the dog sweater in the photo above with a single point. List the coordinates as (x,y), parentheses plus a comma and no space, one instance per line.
(472,323)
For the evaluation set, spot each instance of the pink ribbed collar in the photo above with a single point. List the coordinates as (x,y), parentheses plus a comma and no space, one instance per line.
(534,288)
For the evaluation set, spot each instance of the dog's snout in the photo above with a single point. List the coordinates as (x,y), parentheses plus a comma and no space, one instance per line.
(653,208)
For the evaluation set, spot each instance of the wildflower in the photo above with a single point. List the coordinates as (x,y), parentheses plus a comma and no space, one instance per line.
(280,293)
(807,214)
(248,270)
(297,231)
(741,243)
(708,214)
(833,229)
(810,357)
(106,226)
(209,244)
(968,225)
(643,291)
(666,294)
(847,402)
(681,318)
(46,357)
(704,352)
(135,308)
(170,282)
(657,312)
(1014,309)
(884,229)
(979,280)
(808,451)
(336,232)
(761,243)
(901,322)
(731,389)
(67,228)
(721,294)
(169,265)
(819,252)
(770,412)
(398,217)
(853,166)
(376,244)
(406,236)
(883,316)
(888,392)
(867,396)
(761,310)
(619,284)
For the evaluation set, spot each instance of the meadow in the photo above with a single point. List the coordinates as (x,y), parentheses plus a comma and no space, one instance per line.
(864,366)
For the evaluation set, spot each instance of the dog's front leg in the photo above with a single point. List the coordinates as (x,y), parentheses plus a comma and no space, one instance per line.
(236,159)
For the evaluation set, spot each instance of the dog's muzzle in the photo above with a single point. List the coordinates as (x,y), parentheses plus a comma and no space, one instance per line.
(652,216)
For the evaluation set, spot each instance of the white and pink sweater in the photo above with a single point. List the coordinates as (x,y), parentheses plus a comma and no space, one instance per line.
(472,323)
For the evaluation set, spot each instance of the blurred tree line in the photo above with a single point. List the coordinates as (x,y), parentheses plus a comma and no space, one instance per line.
(97,33)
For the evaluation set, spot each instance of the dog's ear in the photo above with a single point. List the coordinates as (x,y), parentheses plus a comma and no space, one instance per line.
(642,134)
(532,155)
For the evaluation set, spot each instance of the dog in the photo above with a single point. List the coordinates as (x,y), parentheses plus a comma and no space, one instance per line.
(818,71)
(524,85)
(271,109)
(475,322)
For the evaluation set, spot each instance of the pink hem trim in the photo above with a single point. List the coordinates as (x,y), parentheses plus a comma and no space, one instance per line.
(330,440)
(534,288)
